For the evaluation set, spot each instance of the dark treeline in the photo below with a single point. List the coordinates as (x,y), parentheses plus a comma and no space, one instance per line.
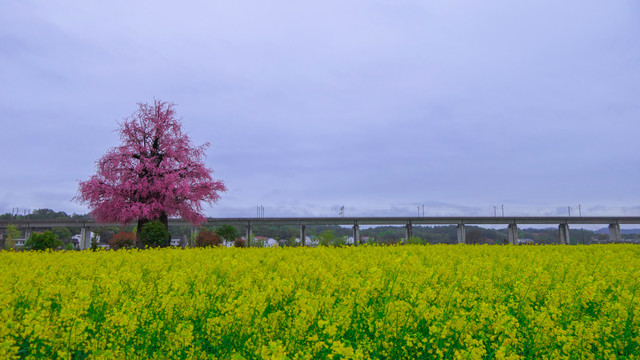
(422,234)
(43,214)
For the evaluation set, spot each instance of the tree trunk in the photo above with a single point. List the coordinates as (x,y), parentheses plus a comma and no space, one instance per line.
(164,219)
(141,223)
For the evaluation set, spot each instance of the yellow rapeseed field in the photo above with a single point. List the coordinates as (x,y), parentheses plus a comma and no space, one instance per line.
(369,302)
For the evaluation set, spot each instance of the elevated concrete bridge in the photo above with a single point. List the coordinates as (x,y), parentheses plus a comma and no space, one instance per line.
(614,222)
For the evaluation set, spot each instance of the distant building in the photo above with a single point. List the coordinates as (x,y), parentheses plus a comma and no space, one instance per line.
(525,241)
(308,241)
(77,238)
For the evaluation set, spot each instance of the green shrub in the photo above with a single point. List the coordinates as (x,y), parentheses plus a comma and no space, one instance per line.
(154,233)
(416,240)
(339,241)
(42,241)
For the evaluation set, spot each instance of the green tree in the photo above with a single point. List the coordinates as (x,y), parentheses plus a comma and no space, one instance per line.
(42,241)
(228,233)
(327,238)
(105,233)
(48,214)
(62,233)
(154,233)
(94,241)
(12,234)
(389,235)
(475,237)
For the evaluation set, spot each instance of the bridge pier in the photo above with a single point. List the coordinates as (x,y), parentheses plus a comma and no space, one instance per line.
(249,231)
(85,238)
(409,231)
(462,234)
(194,235)
(303,233)
(512,231)
(27,234)
(356,233)
(614,233)
(563,233)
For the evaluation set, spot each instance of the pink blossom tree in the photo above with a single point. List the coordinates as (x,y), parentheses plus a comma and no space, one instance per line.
(155,174)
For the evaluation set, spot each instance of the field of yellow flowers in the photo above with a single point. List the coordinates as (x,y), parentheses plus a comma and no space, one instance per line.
(368,302)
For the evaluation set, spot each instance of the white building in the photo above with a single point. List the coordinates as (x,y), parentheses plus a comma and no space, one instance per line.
(308,241)
(77,238)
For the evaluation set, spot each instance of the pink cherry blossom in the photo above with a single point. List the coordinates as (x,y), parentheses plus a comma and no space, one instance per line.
(156,173)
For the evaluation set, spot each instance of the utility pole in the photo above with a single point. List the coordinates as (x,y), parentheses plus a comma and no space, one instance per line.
(502,210)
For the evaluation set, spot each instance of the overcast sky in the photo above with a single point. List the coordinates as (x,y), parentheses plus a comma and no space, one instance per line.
(380,106)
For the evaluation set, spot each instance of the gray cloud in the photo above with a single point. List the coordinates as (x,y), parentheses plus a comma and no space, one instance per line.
(376,105)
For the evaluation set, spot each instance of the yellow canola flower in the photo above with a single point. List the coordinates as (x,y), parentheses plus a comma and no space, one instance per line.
(369,302)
